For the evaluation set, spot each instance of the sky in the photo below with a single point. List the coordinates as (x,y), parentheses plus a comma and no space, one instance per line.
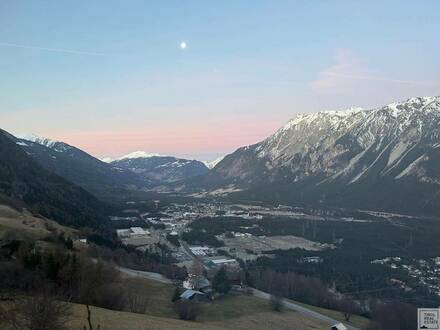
(110,76)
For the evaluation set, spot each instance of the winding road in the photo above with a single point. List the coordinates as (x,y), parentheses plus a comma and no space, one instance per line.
(256,293)
(303,310)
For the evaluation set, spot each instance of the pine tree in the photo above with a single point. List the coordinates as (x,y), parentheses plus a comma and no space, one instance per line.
(220,282)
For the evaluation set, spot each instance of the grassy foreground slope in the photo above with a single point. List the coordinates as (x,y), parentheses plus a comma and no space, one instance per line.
(229,307)
(229,312)
(113,320)
(26,224)
(355,320)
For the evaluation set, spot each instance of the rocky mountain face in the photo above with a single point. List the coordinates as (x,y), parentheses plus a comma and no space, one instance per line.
(385,158)
(25,183)
(160,169)
(76,165)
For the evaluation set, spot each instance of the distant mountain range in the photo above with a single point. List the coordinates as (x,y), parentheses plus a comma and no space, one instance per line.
(385,158)
(78,166)
(160,169)
(136,170)
(24,183)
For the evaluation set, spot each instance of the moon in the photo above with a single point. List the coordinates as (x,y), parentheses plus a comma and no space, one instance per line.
(183,45)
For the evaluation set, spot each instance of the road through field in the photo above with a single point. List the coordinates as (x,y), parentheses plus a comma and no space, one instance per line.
(303,310)
(256,293)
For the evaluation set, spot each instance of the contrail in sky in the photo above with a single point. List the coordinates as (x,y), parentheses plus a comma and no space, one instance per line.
(57,50)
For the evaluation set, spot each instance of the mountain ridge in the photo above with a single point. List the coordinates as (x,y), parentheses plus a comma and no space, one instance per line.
(337,158)
(24,182)
(77,165)
(162,169)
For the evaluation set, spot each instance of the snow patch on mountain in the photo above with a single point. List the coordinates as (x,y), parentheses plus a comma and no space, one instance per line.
(159,168)
(410,168)
(135,155)
(342,145)
(106,159)
(37,139)
(53,144)
(397,152)
(213,163)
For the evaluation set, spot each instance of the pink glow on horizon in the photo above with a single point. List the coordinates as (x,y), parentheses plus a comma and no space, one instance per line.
(178,139)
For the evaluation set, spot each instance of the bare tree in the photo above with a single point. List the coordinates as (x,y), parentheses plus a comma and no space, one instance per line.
(276,302)
(137,303)
(348,307)
(394,315)
(39,312)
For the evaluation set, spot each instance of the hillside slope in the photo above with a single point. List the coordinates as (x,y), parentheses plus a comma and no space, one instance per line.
(78,166)
(113,320)
(23,182)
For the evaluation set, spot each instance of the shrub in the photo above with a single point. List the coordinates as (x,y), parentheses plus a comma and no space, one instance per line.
(110,296)
(176,294)
(276,302)
(394,316)
(187,310)
(39,312)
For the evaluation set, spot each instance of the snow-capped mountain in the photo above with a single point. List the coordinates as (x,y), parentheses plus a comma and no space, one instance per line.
(382,158)
(213,163)
(76,165)
(131,155)
(53,144)
(160,169)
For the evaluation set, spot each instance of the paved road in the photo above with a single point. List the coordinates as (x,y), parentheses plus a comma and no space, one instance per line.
(186,249)
(292,306)
(303,310)
(257,293)
(148,275)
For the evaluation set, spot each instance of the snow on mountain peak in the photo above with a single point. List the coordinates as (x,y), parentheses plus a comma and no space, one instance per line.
(335,116)
(138,154)
(306,132)
(58,146)
(106,159)
(308,118)
(212,164)
(37,139)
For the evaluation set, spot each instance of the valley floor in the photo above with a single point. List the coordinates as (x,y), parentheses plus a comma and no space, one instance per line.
(229,312)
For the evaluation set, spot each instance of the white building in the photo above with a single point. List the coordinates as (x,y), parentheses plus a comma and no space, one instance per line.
(199,250)
(138,231)
(132,232)
(196,282)
(224,262)
(123,233)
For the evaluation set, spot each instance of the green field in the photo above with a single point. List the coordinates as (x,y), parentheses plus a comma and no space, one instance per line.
(355,320)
